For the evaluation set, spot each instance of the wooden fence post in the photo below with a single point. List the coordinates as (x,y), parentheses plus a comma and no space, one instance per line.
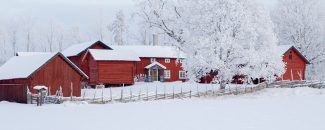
(122,93)
(29,95)
(206,90)
(103,93)
(156,92)
(173,92)
(147,93)
(49,91)
(165,91)
(130,93)
(110,92)
(181,91)
(197,89)
(190,91)
(71,91)
(139,96)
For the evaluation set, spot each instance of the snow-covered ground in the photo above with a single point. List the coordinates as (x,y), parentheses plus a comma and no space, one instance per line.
(269,109)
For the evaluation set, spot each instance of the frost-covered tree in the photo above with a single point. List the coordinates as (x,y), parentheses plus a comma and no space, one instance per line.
(119,28)
(226,36)
(298,22)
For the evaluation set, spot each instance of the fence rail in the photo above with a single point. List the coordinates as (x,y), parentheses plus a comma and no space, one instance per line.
(295,84)
(134,97)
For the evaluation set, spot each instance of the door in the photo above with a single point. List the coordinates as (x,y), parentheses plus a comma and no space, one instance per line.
(155,75)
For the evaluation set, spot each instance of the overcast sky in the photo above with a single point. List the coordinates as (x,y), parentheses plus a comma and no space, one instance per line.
(71,12)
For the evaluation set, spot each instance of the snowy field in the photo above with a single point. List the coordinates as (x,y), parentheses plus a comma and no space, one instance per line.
(269,109)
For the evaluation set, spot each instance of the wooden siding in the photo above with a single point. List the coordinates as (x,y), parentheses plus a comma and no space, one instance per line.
(93,71)
(13,93)
(116,72)
(173,66)
(14,90)
(58,73)
(297,65)
(78,60)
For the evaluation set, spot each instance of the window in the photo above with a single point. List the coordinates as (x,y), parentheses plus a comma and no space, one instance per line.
(153,60)
(182,74)
(290,55)
(180,60)
(167,74)
(167,60)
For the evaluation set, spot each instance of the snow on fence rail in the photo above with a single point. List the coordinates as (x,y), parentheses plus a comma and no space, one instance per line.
(149,92)
(295,84)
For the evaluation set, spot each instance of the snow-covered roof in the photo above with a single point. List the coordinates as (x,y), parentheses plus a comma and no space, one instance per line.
(76,49)
(40,87)
(154,64)
(282,49)
(30,53)
(113,55)
(152,51)
(23,66)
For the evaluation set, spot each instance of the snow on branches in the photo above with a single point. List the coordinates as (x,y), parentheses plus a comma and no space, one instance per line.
(233,37)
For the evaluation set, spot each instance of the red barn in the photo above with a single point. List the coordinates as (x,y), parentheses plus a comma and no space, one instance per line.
(295,63)
(111,66)
(76,53)
(158,63)
(52,70)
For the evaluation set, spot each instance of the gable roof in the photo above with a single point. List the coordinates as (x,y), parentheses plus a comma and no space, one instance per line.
(153,51)
(77,49)
(155,64)
(113,55)
(25,66)
(282,49)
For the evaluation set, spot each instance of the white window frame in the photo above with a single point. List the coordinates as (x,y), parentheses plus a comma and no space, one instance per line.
(179,75)
(180,60)
(167,60)
(153,60)
(167,76)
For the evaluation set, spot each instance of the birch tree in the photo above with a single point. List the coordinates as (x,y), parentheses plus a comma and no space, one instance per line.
(119,28)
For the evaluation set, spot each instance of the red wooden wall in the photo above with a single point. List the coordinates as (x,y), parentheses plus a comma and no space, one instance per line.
(297,65)
(110,72)
(116,72)
(58,73)
(173,66)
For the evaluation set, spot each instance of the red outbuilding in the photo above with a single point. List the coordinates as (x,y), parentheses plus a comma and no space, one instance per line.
(111,67)
(295,63)
(52,70)
(77,53)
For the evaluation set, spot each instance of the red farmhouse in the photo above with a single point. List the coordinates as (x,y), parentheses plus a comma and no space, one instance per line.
(295,63)
(52,70)
(158,63)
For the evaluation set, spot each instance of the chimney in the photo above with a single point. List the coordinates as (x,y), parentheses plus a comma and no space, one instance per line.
(155,39)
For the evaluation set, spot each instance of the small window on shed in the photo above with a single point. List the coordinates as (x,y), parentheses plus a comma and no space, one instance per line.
(167,60)
(290,55)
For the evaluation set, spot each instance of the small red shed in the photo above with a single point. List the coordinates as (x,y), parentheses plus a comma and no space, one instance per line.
(295,63)
(52,70)
(111,66)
